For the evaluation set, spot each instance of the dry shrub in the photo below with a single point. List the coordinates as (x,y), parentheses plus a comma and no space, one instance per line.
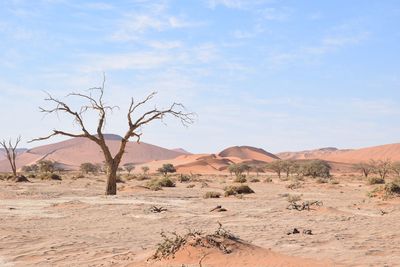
(268,180)
(158,183)
(204,184)
(255,180)
(173,242)
(212,194)
(322,180)
(293,198)
(50,176)
(240,179)
(184,178)
(392,189)
(237,190)
(334,182)
(142,177)
(294,185)
(376,180)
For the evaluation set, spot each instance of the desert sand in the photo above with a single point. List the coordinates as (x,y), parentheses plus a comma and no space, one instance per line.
(71,223)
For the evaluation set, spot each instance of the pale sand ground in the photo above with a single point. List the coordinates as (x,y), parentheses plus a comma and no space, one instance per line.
(70,223)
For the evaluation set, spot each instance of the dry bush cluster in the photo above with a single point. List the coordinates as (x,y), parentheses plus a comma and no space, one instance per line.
(173,242)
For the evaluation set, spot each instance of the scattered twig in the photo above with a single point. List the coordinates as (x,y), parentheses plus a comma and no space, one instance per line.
(155,209)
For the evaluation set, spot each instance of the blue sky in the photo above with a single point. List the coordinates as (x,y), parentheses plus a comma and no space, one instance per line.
(281,75)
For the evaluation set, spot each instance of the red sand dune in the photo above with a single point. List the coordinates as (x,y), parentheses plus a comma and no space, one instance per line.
(383,152)
(211,163)
(248,153)
(76,151)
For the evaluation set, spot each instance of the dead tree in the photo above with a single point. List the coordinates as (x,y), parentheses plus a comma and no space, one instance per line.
(95,103)
(11,153)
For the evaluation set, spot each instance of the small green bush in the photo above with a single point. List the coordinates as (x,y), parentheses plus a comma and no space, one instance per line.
(235,190)
(158,184)
(212,194)
(376,180)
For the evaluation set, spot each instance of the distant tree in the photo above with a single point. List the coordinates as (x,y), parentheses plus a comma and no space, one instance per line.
(95,103)
(287,167)
(145,169)
(238,169)
(166,168)
(396,168)
(47,166)
(30,168)
(316,168)
(88,167)
(246,168)
(10,149)
(364,168)
(276,166)
(129,167)
(382,167)
(297,168)
(257,169)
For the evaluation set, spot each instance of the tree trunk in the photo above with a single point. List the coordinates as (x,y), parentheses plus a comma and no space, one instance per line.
(14,170)
(111,188)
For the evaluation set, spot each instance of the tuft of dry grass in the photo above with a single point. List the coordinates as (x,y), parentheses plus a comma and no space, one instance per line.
(375,180)
(212,194)
(293,198)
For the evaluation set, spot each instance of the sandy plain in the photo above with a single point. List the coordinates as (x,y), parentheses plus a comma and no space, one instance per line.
(71,223)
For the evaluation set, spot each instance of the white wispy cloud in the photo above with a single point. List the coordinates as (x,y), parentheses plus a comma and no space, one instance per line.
(162,57)
(236,4)
(310,53)
(124,61)
(99,6)
(275,14)
(134,25)
(227,3)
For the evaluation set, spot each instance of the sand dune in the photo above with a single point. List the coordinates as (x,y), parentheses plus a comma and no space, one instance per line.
(181,150)
(76,151)
(248,153)
(212,163)
(390,151)
(3,152)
